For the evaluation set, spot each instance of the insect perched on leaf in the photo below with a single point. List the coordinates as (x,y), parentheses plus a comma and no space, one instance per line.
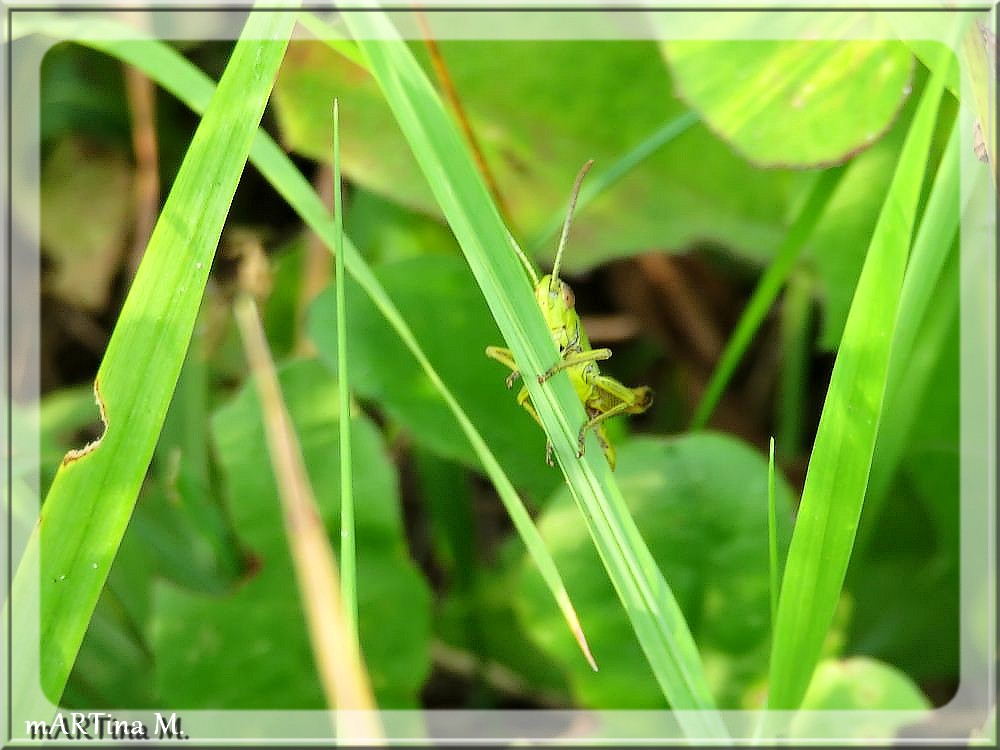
(602,396)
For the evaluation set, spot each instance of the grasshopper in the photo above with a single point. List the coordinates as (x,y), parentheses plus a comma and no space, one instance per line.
(602,396)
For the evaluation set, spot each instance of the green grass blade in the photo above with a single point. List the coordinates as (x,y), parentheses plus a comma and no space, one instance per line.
(348,543)
(766,292)
(336,652)
(938,228)
(842,453)
(604,179)
(182,79)
(91,498)
(772,536)
(328,35)
(906,383)
(475,220)
(796,346)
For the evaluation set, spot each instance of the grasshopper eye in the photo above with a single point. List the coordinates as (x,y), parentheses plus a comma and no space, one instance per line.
(568,297)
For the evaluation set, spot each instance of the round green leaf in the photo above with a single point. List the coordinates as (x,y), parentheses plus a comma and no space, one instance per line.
(560,103)
(700,502)
(793,103)
(859,684)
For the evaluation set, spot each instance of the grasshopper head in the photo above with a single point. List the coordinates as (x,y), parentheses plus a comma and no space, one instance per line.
(556,300)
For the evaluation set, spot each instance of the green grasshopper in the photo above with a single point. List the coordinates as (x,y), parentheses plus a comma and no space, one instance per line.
(602,396)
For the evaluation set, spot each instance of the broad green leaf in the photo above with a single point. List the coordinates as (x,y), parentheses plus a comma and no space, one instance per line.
(440,299)
(281,313)
(80,95)
(913,627)
(475,616)
(793,103)
(250,648)
(561,103)
(859,685)
(91,499)
(701,503)
(498,637)
(385,232)
(842,453)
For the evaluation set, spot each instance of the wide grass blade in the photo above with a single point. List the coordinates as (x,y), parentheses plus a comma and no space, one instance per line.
(348,543)
(91,499)
(331,632)
(194,88)
(656,618)
(766,292)
(933,249)
(842,453)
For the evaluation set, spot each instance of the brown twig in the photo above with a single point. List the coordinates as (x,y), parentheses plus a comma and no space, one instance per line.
(337,654)
(142,105)
(317,267)
(496,676)
(611,329)
(451,94)
(682,304)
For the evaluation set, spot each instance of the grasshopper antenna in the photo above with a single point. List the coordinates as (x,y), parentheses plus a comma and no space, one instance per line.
(569,216)
(528,266)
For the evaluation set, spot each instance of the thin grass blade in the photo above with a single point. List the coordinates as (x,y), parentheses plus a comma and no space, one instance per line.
(767,290)
(772,536)
(842,453)
(348,543)
(604,179)
(335,648)
(658,622)
(330,37)
(796,348)
(94,491)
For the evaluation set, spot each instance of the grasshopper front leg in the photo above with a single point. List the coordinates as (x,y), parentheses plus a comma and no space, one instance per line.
(524,400)
(572,359)
(506,358)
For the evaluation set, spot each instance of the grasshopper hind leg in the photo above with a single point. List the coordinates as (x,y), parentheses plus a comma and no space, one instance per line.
(602,439)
